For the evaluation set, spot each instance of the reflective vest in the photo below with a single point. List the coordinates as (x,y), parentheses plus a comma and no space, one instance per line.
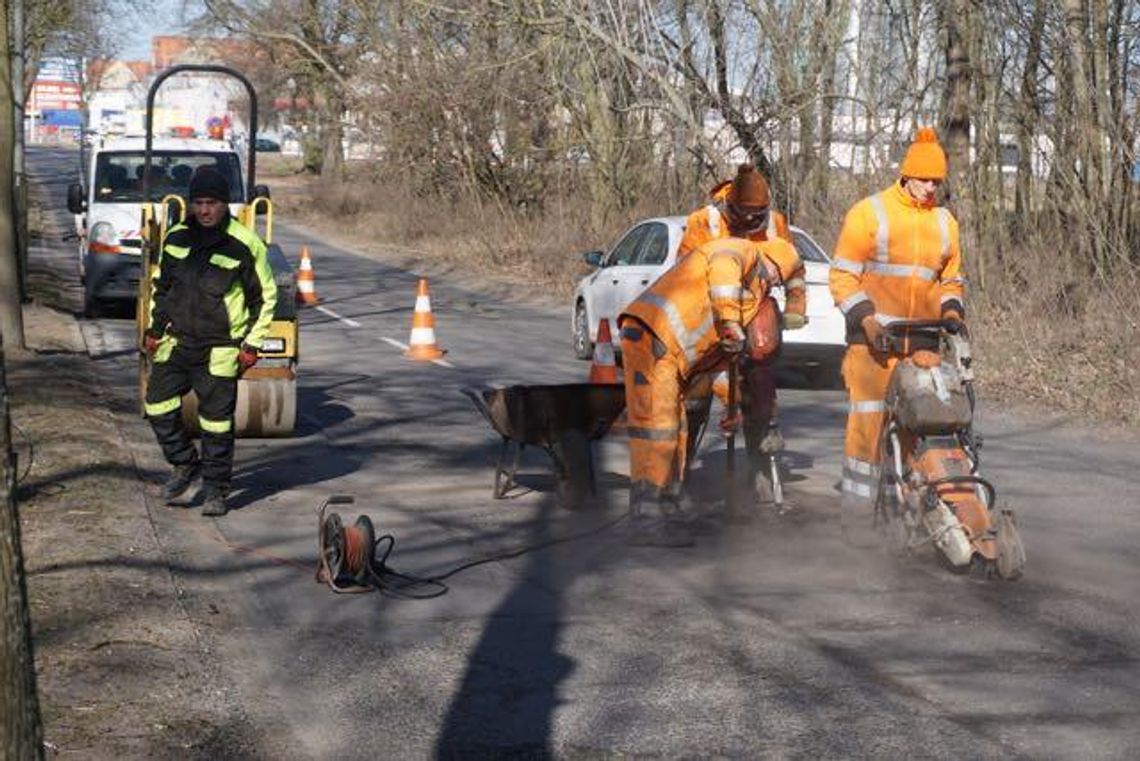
(897,259)
(722,281)
(708,223)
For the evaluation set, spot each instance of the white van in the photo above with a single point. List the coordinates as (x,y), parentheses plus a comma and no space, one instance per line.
(108,212)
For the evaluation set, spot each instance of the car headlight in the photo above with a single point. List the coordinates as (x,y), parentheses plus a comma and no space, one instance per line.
(273,345)
(103,238)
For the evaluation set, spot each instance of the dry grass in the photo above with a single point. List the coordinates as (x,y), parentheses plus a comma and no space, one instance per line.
(540,250)
(1068,344)
(1064,341)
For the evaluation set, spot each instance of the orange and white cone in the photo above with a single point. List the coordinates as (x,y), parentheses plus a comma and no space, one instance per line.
(422,344)
(603,369)
(306,282)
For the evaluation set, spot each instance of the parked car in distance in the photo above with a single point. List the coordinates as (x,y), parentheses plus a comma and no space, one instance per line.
(265,145)
(649,248)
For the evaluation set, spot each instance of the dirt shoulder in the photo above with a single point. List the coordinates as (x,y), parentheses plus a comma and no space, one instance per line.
(123,670)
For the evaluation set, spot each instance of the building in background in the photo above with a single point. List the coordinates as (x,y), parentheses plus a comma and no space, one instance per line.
(54,110)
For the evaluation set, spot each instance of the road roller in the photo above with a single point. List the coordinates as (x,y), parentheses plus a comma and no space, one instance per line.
(267,392)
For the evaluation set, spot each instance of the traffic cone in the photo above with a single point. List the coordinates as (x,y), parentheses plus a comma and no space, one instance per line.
(603,369)
(306,282)
(422,343)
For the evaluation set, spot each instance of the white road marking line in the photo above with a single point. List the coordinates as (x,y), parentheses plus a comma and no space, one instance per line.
(404,347)
(335,316)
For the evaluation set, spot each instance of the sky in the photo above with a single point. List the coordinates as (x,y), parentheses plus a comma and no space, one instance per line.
(162,18)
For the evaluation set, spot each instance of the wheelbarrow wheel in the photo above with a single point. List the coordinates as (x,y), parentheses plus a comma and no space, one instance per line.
(574,469)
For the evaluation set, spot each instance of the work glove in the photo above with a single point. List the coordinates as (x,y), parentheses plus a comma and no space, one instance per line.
(876,336)
(954,324)
(795,321)
(731,338)
(150,343)
(247,358)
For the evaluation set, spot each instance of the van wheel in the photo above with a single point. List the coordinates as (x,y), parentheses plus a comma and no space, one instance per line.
(583,346)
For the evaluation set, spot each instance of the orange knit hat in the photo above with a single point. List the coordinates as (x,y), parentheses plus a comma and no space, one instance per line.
(749,188)
(925,159)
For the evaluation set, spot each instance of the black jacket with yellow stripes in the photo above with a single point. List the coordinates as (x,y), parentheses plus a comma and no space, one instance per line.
(213,286)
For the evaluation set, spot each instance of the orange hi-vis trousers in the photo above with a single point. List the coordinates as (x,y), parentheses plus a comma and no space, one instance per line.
(866,378)
(655,413)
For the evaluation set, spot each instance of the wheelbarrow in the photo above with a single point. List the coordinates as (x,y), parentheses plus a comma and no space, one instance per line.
(563,419)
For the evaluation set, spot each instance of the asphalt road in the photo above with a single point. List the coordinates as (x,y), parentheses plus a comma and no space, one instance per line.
(768,639)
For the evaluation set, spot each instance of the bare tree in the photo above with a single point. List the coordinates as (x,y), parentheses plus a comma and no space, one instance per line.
(21,733)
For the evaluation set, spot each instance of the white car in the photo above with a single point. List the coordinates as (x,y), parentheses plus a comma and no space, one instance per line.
(649,248)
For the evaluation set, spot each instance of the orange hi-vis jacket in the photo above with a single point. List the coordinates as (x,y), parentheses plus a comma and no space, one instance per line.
(897,259)
(722,281)
(709,223)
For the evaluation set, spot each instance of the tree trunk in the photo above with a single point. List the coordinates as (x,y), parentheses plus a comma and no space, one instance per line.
(332,136)
(956,20)
(1086,200)
(21,734)
(11,310)
(836,14)
(20,186)
(1028,114)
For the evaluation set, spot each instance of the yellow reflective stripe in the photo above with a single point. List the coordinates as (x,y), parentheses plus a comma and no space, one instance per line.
(853,487)
(726,292)
(215,426)
(852,301)
(163,407)
(223,361)
(224,262)
(260,327)
(714,220)
(178,252)
(847,265)
(901,270)
(688,339)
(165,349)
(882,229)
(653,434)
(943,215)
(236,311)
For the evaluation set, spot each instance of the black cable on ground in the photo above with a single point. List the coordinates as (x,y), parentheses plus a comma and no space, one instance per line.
(393,583)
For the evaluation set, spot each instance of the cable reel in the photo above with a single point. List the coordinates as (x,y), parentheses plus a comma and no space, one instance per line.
(347,561)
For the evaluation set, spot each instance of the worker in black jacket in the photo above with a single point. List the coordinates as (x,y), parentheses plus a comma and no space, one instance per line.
(212,302)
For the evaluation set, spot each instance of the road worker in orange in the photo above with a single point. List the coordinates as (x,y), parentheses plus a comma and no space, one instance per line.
(741,208)
(897,258)
(691,321)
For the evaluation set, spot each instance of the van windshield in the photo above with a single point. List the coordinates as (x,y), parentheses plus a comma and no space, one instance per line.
(118,174)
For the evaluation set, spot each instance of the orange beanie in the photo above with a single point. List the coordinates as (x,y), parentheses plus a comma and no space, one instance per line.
(925,159)
(749,188)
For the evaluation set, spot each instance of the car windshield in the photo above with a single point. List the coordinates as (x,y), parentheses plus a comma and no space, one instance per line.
(118,174)
(808,249)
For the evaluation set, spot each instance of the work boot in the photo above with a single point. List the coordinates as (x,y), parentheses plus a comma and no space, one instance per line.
(180,480)
(657,520)
(214,502)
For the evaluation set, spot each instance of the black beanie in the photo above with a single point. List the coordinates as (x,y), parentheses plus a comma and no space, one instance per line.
(208,182)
